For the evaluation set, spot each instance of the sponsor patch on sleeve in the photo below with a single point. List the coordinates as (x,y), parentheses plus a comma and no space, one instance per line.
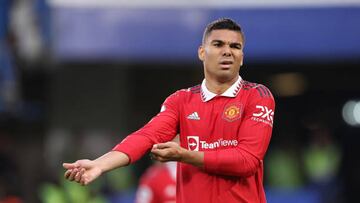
(264,115)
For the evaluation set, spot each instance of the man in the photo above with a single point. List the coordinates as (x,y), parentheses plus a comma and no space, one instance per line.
(158,184)
(225,126)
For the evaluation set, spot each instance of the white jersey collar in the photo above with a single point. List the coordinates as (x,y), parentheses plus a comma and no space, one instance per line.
(232,91)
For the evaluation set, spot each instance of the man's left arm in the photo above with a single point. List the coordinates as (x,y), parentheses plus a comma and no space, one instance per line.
(253,140)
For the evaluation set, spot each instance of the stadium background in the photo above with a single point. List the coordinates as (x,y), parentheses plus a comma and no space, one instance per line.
(78,76)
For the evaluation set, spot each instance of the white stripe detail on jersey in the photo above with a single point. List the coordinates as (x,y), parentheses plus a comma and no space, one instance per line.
(193,116)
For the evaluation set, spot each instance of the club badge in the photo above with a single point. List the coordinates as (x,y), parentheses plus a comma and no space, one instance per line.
(232,112)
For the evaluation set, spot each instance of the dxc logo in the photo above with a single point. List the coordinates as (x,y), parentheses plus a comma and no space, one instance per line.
(264,113)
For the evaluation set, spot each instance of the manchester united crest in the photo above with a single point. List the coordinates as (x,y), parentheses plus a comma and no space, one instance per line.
(232,112)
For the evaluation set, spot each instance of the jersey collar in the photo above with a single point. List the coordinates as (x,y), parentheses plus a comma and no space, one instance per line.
(233,90)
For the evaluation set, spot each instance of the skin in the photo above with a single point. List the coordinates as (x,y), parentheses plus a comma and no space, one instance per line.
(222,56)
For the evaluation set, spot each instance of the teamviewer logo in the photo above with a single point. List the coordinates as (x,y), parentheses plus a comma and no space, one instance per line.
(193,143)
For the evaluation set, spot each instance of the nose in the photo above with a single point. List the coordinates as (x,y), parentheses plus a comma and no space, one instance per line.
(226,51)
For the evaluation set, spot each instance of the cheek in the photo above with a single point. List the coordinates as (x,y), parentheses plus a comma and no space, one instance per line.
(211,55)
(240,57)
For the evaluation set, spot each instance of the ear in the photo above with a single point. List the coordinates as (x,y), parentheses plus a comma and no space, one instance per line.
(201,53)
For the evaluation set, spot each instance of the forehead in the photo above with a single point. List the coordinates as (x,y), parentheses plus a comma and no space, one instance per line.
(224,35)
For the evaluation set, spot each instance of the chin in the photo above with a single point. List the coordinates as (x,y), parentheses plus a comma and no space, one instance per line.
(225,77)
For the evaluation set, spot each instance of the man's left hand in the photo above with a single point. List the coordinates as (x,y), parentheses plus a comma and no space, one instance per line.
(169,151)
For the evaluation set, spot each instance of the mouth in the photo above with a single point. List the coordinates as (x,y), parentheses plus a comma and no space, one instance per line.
(226,64)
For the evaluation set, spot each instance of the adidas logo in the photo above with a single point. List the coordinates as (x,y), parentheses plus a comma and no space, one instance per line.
(193,116)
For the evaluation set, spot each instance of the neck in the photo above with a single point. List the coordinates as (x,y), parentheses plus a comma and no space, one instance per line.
(219,87)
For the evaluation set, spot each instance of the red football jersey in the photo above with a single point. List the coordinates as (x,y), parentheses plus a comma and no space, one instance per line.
(232,129)
(158,184)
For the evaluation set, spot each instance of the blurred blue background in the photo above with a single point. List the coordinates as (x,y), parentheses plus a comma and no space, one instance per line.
(77,76)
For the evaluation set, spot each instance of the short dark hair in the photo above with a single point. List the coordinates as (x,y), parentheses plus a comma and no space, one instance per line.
(222,24)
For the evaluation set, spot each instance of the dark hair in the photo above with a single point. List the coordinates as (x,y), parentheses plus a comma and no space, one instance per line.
(222,24)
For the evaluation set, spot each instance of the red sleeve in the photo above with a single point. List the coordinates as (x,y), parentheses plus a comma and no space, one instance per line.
(161,128)
(254,137)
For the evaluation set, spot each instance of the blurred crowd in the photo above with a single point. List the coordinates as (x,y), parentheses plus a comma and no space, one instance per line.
(305,167)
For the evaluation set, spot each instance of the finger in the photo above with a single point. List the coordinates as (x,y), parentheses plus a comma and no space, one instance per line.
(72,174)
(155,146)
(154,150)
(159,158)
(83,170)
(159,149)
(163,145)
(79,174)
(70,165)
(84,180)
(67,174)
(161,152)
(157,152)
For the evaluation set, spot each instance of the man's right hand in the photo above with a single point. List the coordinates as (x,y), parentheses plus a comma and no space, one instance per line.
(82,171)
(85,171)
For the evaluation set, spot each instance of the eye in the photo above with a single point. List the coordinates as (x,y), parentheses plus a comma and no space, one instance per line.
(217,44)
(236,46)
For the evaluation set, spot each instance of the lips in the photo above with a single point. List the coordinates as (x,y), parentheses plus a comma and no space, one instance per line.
(225,64)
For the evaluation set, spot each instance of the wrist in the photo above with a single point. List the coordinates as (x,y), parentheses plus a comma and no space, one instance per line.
(98,164)
(184,155)
(194,158)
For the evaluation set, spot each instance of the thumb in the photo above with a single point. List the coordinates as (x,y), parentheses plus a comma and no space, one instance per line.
(71,165)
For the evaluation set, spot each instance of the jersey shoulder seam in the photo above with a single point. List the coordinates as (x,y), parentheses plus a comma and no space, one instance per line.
(262,90)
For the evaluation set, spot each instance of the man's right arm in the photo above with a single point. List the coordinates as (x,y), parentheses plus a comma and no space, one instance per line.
(85,171)
(163,127)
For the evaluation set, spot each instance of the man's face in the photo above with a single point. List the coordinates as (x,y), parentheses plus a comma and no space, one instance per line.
(222,55)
